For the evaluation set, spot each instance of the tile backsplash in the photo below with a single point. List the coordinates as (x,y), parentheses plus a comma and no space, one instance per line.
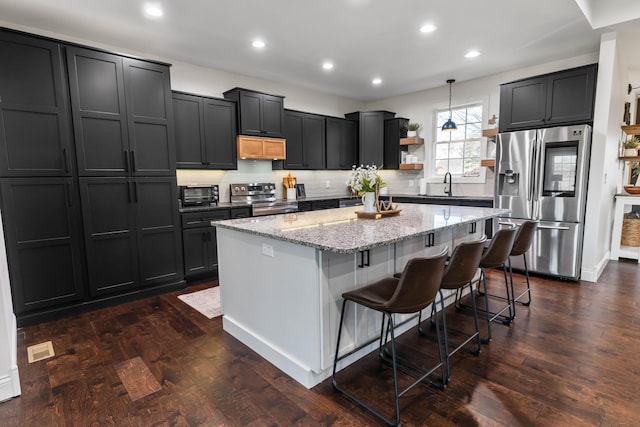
(319,183)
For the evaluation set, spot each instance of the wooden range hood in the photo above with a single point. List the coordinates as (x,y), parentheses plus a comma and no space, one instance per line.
(259,147)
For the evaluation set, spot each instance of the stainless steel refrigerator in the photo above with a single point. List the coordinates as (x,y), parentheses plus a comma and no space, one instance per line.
(542,174)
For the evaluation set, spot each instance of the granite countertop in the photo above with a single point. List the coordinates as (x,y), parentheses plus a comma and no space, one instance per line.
(339,230)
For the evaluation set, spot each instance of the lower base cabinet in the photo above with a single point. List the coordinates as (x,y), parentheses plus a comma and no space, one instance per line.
(199,240)
(41,220)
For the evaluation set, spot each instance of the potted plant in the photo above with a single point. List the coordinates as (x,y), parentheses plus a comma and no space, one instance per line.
(412,129)
(366,182)
(631,147)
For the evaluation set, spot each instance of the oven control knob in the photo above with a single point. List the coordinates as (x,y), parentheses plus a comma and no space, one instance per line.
(236,188)
(242,188)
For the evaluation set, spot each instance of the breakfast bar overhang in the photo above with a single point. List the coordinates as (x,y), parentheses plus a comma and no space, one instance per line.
(282,276)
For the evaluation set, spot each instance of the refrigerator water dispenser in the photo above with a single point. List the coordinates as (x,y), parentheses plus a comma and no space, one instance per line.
(508,183)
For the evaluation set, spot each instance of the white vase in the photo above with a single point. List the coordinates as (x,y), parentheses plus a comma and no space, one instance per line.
(369,202)
(630,152)
(412,133)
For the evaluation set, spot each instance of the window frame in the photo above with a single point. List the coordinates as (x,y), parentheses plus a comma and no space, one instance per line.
(430,174)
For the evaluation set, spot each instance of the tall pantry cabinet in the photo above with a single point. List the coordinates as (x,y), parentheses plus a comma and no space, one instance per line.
(40,203)
(125,145)
(89,195)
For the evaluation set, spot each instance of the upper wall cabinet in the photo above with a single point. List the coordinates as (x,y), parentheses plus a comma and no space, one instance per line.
(259,114)
(305,135)
(205,132)
(342,143)
(122,113)
(561,98)
(371,136)
(35,125)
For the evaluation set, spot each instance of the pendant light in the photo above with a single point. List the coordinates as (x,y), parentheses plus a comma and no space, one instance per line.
(449,125)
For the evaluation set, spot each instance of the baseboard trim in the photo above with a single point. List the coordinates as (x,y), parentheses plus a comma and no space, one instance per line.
(592,274)
(10,381)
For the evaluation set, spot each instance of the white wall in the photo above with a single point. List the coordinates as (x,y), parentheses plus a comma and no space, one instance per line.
(9,380)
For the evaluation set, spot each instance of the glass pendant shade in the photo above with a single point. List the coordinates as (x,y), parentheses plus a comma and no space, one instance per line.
(449,125)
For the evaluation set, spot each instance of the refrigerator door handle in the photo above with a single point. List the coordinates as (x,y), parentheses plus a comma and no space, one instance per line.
(532,174)
(552,227)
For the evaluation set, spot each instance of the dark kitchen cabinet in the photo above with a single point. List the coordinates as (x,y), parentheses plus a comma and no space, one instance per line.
(341,143)
(259,114)
(199,241)
(371,136)
(205,132)
(562,98)
(394,129)
(43,238)
(35,123)
(122,113)
(132,232)
(305,135)
(317,205)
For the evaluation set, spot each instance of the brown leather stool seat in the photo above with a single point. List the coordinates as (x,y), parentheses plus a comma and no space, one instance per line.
(416,288)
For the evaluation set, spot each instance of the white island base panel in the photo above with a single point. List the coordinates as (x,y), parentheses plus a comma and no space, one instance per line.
(283,300)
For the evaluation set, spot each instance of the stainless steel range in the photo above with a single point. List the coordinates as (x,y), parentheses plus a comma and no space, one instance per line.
(262,198)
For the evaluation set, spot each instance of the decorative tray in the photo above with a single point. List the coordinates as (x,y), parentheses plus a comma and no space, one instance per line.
(377,215)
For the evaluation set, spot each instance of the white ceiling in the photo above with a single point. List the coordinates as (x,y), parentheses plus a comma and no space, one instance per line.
(364,38)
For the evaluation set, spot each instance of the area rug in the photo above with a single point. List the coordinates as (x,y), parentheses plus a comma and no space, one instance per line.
(206,301)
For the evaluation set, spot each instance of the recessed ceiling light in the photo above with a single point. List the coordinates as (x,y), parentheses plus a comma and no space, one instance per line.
(428,28)
(153,10)
(472,54)
(376,81)
(327,65)
(258,44)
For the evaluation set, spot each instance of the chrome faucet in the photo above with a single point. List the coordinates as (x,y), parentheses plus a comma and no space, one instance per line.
(448,190)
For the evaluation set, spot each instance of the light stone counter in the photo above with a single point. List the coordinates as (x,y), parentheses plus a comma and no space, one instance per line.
(339,230)
(282,277)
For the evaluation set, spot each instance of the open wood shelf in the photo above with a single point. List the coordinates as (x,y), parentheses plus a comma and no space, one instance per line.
(490,132)
(488,163)
(411,166)
(414,140)
(631,129)
(629,158)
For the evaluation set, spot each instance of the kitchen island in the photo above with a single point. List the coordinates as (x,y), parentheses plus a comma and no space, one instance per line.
(282,277)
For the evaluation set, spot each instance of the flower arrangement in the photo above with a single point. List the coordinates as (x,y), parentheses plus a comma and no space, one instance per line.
(365,179)
(631,143)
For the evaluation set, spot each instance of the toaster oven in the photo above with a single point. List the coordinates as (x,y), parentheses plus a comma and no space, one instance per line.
(194,195)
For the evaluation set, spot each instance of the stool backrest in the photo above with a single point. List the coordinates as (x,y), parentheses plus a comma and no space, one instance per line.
(418,285)
(463,264)
(524,237)
(498,251)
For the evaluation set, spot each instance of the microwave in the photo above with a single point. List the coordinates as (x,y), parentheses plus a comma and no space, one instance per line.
(194,195)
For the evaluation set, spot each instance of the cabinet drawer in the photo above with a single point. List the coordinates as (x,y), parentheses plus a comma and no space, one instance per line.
(203,219)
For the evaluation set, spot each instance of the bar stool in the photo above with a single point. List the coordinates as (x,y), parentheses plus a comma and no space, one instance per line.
(521,245)
(523,240)
(416,288)
(461,268)
(494,256)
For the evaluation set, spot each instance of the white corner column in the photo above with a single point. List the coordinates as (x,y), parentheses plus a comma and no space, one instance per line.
(9,379)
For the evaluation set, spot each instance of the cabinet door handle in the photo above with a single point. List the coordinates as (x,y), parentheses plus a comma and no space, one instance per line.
(129,192)
(135,191)
(364,263)
(126,161)
(133,161)
(430,240)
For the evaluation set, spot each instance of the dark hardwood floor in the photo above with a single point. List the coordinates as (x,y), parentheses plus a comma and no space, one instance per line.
(570,359)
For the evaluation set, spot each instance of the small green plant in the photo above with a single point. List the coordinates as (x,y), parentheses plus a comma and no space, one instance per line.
(631,143)
(413,127)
